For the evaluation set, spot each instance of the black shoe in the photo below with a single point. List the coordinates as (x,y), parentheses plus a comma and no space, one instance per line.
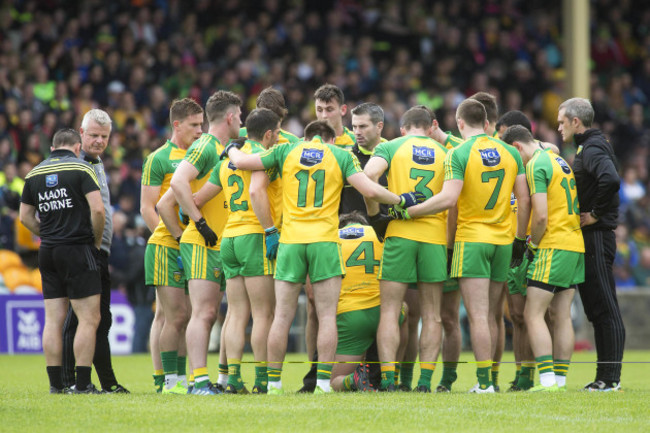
(55,390)
(116,389)
(219,387)
(601,386)
(424,389)
(258,390)
(307,389)
(514,388)
(90,389)
(442,388)
(404,388)
(362,379)
(232,389)
(389,388)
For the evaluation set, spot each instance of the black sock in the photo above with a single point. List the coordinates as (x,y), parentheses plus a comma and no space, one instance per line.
(83,377)
(54,373)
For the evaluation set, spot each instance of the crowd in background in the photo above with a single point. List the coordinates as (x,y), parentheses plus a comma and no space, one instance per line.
(58,59)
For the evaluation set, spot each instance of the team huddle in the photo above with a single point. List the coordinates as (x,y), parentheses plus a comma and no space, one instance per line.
(413,224)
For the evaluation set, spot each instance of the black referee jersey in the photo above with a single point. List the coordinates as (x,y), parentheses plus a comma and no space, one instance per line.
(57,188)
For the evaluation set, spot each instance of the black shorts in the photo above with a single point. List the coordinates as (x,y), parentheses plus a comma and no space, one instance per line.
(69,271)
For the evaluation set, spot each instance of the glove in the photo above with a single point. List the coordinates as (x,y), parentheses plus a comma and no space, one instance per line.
(518,250)
(182,217)
(409,199)
(379,223)
(531,250)
(237,142)
(450,255)
(207,233)
(272,238)
(399,213)
(179,262)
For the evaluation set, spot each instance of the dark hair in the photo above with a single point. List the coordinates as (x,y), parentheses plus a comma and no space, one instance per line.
(472,112)
(374,111)
(327,92)
(273,100)
(514,117)
(181,109)
(320,128)
(259,121)
(350,218)
(416,117)
(429,110)
(517,133)
(219,103)
(65,138)
(489,103)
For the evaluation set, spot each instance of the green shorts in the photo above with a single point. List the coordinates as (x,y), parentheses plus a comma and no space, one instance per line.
(553,269)
(451,285)
(480,260)
(407,261)
(322,260)
(161,267)
(246,256)
(358,329)
(202,263)
(517,278)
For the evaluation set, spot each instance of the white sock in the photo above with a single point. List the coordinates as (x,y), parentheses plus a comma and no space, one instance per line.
(223,379)
(276,385)
(560,380)
(324,384)
(547,379)
(170,380)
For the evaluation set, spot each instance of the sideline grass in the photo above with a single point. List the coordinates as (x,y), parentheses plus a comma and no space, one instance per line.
(25,405)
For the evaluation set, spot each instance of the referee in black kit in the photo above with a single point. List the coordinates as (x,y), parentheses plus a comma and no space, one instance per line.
(598,183)
(95,130)
(62,204)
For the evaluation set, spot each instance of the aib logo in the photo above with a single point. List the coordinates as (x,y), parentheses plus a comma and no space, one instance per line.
(423,155)
(51,180)
(563,165)
(311,157)
(490,157)
(29,331)
(351,233)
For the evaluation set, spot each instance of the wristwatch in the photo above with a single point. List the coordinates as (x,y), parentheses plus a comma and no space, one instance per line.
(593,215)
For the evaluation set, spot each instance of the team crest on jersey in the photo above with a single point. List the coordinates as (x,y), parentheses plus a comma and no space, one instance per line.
(177,276)
(217,272)
(231,165)
(565,167)
(351,232)
(311,157)
(423,155)
(490,157)
(51,180)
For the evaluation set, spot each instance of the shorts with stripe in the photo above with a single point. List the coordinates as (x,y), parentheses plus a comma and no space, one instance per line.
(553,269)
(202,263)
(161,267)
(322,260)
(69,271)
(517,278)
(246,256)
(481,260)
(409,261)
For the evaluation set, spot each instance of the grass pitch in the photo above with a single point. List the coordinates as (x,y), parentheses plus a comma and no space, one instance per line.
(26,406)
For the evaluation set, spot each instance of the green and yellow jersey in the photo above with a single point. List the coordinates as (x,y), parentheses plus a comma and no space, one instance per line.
(488,167)
(158,170)
(313,174)
(346,140)
(362,252)
(452,141)
(548,173)
(236,187)
(283,136)
(203,154)
(416,163)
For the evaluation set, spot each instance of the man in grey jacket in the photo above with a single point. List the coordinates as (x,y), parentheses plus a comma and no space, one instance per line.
(95,130)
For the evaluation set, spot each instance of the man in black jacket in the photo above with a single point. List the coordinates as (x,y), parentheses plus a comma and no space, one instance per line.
(598,183)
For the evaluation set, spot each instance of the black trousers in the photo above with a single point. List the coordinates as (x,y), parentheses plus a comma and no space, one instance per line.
(102,358)
(598,294)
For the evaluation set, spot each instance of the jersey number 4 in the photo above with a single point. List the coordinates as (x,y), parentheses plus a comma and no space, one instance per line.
(366,248)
